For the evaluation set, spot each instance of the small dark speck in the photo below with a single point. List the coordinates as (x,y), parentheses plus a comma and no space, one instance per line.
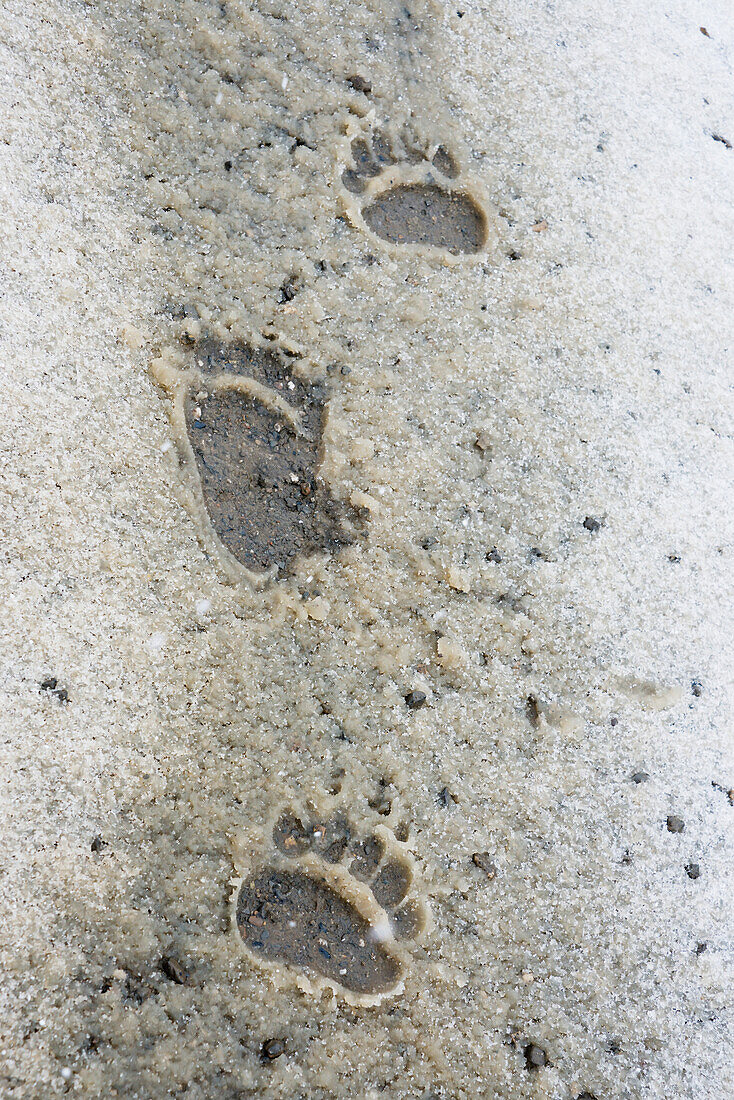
(460,14)
(493,555)
(592,524)
(701,948)
(228,166)
(173,970)
(586,1096)
(724,141)
(446,798)
(693,870)
(675,824)
(98,844)
(415,699)
(532,710)
(50,684)
(614,721)
(359,84)
(272,1049)
(514,255)
(640,777)
(485,863)
(199,424)
(674,558)
(704,32)
(697,688)
(535,1056)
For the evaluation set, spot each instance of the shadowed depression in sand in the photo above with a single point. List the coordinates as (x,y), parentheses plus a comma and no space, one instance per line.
(294,916)
(258,470)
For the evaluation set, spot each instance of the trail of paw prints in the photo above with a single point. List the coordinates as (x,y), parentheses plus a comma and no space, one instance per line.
(249,430)
(411,197)
(337,907)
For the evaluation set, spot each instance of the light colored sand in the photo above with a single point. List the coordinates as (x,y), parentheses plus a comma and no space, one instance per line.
(594,368)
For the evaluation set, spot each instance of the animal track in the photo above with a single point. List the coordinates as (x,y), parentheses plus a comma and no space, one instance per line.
(336,905)
(250,432)
(406,197)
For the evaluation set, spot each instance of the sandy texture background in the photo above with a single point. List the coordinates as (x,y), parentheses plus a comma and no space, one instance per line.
(541,438)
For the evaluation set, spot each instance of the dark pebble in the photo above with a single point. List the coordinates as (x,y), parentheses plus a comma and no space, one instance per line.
(272,1049)
(484,862)
(586,1096)
(704,31)
(697,688)
(493,555)
(415,699)
(613,721)
(173,970)
(98,844)
(640,777)
(359,84)
(701,948)
(675,558)
(446,798)
(592,524)
(228,166)
(51,684)
(535,1056)
(724,141)
(532,710)
(693,870)
(675,824)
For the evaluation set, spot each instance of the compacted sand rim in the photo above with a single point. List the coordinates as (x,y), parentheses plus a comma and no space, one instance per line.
(367,550)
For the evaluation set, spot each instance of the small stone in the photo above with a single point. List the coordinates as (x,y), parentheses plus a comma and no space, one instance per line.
(484,862)
(697,688)
(693,870)
(415,699)
(592,524)
(640,777)
(493,555)
(173,970)
(532,709)
(272,1049)
(704,32)
(586,1096)
(359,84)
(98,844)
(675,824)
(701,948)
(446,798)
(535,1056)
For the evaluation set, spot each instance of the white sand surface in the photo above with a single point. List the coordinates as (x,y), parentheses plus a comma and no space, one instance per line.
(539,438)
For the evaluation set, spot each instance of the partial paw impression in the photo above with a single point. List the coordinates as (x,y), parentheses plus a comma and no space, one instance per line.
(255,430)
(405,198)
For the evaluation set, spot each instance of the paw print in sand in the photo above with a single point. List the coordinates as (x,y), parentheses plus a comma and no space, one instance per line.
(412,198)
(336,906)
(249,431)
